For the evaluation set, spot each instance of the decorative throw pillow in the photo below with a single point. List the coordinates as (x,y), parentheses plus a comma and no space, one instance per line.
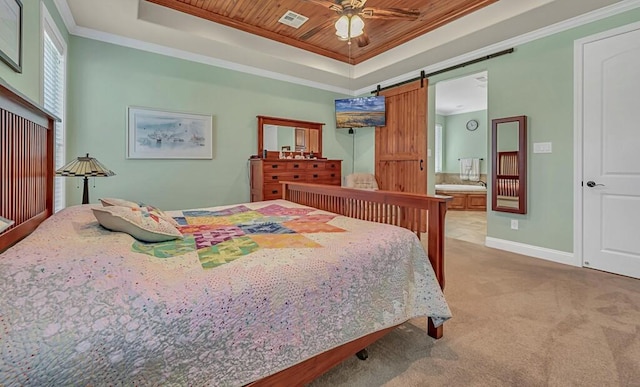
(137,222)
(118,202)
(107,202)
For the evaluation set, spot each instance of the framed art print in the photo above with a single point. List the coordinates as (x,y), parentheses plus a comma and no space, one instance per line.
(159,134)
(11,33)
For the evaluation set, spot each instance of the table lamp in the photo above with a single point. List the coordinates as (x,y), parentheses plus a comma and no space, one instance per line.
(84,167)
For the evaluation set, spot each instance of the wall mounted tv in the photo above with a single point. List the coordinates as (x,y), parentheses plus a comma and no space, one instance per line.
(360,112)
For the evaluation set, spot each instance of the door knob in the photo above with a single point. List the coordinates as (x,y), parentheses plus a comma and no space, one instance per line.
(591,183)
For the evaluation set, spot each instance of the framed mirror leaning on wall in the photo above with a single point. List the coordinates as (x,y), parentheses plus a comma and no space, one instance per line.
(509,164)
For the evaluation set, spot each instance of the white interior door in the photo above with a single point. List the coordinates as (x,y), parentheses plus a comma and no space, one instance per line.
(611,154)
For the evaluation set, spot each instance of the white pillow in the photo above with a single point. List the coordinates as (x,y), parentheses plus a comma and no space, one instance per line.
(107,202)
(137,222)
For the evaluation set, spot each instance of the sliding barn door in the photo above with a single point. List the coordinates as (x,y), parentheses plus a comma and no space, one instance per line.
(401,145)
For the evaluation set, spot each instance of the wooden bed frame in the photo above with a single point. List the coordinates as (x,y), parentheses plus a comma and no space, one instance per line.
(26,196)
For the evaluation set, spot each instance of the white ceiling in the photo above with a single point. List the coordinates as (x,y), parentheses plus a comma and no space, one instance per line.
(462,95)
(138,24)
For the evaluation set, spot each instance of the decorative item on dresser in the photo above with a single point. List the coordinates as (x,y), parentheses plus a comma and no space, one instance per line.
(306,165)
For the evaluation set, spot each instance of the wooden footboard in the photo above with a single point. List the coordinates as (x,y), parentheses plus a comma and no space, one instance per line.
(418,213)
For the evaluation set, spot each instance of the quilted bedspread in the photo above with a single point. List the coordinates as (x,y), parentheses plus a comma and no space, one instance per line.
(81,305)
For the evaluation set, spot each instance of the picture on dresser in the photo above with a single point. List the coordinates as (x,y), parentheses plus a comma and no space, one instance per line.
(160,134)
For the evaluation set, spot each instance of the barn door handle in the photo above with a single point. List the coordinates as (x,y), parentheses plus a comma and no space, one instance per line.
(593,184)
(421,168)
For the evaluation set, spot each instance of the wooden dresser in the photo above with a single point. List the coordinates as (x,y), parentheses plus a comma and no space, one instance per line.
(267,174)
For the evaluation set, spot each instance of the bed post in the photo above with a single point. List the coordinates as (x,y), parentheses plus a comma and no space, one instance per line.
(437,212)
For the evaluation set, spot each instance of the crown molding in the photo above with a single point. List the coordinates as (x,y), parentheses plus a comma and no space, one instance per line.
(208,60)
(74,29)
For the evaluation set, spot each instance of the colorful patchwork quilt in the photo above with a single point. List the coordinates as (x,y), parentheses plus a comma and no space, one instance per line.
(251,290)
(222,236)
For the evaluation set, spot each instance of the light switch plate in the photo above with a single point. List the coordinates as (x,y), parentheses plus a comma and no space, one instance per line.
(514,224)
(542,147)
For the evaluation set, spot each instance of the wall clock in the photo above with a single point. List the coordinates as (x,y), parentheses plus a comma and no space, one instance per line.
(472,125)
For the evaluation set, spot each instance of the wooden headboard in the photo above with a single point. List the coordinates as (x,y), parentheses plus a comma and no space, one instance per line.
(26,164)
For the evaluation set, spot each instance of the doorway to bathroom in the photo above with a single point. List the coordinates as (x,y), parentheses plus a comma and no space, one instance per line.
(461,154)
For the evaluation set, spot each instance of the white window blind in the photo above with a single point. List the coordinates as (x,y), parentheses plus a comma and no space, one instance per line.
(439,147)
(54,99)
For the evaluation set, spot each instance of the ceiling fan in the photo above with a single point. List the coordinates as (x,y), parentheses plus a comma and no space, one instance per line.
(350,25)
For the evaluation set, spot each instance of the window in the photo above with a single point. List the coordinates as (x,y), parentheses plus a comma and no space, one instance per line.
(53,92)
(438,150)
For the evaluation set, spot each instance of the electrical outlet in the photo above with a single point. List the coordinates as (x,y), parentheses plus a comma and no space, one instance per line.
(514,224)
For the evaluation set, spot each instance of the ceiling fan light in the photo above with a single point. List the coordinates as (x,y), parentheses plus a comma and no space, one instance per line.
(342,27)
(357,26)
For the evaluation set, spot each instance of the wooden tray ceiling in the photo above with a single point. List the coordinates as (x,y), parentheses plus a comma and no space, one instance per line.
(261,18)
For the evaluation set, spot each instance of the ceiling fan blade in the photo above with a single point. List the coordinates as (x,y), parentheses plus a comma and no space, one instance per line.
(309,34)
(358,3)
(363,40)
(327,4)
(391,13)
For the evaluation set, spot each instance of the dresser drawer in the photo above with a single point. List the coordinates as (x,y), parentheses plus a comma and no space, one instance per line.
(332,165)
(274,177)
(272,191)
(296,166)
(321,176)
(270,166)
(315,165)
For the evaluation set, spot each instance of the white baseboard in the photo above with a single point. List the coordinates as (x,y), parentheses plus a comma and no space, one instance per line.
(533,251)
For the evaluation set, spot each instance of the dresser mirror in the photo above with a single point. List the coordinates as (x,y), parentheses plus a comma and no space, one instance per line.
(293,137)
(509,164)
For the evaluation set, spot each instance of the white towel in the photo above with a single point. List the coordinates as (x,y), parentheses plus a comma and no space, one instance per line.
(470,169)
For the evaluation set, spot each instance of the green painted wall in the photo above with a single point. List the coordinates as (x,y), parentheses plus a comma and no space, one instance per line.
(28,82)
(107,78)
(364,149)
(461,143)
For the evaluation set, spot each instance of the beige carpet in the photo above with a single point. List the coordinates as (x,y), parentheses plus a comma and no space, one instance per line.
(517,321)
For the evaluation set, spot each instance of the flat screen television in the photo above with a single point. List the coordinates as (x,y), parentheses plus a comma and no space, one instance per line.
(360,112)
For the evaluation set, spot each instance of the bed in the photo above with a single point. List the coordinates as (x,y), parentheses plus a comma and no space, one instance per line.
(316,282)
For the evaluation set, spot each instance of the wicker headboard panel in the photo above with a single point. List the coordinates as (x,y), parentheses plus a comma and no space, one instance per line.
(26,164)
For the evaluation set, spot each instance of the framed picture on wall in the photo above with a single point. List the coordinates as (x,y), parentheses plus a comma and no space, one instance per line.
(11,33)
(160,134)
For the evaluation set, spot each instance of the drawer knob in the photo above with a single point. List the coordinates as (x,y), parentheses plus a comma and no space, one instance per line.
(315,165)
(315,176)
(296,165)
(274,177)
(275,191)
(274,166)
(296,176)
